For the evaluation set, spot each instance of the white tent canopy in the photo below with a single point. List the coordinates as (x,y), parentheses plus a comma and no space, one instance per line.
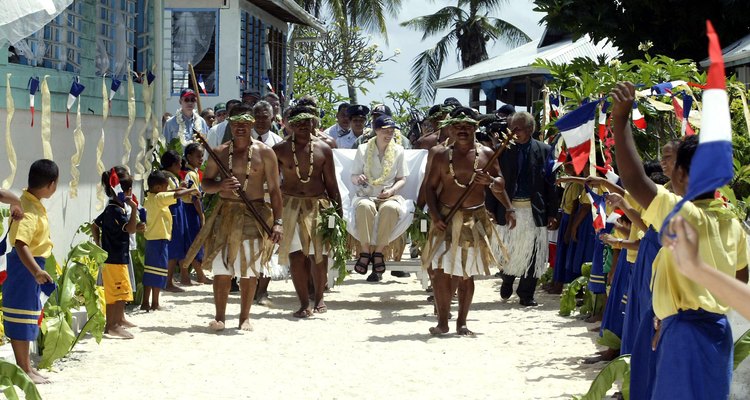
(21,18)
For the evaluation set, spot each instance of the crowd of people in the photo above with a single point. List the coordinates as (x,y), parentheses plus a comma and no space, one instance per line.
(492,204)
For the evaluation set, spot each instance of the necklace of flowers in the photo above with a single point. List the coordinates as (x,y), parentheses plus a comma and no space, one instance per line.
(453,174)
(249,161)
(180,117)
(296,163)
(388,160)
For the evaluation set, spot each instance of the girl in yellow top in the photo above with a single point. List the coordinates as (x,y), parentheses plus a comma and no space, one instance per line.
(193,208)
(26,277)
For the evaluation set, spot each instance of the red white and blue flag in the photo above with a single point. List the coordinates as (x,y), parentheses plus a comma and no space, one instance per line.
(711,166)
(577,129)
(114,183)
(114,87)
(603,121)
(682,111)
(75,90)
(666,87)
(202,84)
(598,208)
(33,87)
(638,120)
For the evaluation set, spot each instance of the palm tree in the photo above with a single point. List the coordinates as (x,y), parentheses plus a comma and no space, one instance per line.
(470,27)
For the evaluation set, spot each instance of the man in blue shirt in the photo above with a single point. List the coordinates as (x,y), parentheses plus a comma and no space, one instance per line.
(186,120)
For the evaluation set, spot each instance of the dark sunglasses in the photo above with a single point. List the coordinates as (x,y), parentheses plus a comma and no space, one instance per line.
(190,99)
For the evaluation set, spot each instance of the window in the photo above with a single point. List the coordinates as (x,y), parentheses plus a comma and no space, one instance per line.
(252,52)
(115,39)
(57,45)
(193,41)
(277,58)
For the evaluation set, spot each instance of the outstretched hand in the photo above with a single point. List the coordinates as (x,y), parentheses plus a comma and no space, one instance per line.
(623,96)
(16,212)
(682,239)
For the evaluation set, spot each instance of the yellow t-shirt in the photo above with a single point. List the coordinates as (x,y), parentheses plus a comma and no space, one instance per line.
(723,245)
(158,216)
(570,195)
(191,176)
(635,233)
(33,229)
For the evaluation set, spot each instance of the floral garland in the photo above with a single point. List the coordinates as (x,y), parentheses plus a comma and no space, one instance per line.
(296,162)
(182,128)
(453,173)
(389,159)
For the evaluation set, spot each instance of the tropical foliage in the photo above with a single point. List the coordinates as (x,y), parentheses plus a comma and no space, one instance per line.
(11,376)
(336,238)
(319,83)
(468,28)
(617,369)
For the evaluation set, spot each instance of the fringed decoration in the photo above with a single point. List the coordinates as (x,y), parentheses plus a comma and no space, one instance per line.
(46,120)
(141,161)
(75,161)
(131,120)
(10,109)
(100,196)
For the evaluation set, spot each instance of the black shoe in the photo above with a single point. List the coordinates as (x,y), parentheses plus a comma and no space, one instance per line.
(400,274)
(506,291)
(234,288)
(374,277)
(414,251)
(528,303)
(498,274)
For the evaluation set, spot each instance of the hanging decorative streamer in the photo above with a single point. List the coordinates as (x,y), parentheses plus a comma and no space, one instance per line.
(131,120)
(75,90)
(75,161)
(100,196)
(33,87)
(547,108)
(141,163)
(10,109)
(114,87)
(46,120)
(155,137)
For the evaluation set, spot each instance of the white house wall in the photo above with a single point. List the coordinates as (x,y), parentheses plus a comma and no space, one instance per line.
(228,47)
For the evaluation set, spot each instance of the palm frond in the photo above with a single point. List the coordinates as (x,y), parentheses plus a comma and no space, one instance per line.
(370,15)
(507,32)
(435,23)
(426,68)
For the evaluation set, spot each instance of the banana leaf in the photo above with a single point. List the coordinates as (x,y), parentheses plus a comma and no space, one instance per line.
(609,339)
(415,229)
(741,349)
(337,238)
(137,256)
(58,338)
(11,376)
(617,369)
(568,299)
(86,283)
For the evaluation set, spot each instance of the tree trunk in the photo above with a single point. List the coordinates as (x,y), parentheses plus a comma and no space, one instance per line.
(352,92)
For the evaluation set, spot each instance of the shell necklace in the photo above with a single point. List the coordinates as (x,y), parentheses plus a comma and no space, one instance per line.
(453,173)
(249,161)
(296,163)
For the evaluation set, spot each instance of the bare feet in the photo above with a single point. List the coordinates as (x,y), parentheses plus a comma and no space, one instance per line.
(594,318)
(303,313)
(263,300)
(204,280)
(174,289)
(464,331)
(127,324)
(120,332)
(145,307)
(185,282)
(36,377)
(438,331)
(216,326)
(157,307)
(321,308)
(246,326)
(37,373)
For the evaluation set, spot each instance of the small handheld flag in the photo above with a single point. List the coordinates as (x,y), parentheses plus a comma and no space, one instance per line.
(598,208)
(638,120)
(577,129)
(33,88)
(114,88)
(554,102)
(75,90)
(682,111)
(603,121)
(711,166)
(610,174)
(666,87)
(114,183)
(202,84)
(150,77)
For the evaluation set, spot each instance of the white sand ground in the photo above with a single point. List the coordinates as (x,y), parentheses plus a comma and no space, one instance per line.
(373,343)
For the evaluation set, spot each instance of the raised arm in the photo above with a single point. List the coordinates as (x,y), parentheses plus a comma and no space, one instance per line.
(632,174)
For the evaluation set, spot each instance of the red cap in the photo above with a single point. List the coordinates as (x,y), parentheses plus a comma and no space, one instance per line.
(187,93)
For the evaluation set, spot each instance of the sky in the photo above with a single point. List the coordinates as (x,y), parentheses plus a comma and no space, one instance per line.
(397,75)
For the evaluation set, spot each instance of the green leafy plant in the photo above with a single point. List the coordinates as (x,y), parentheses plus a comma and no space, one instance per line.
(568,299)
(617,369)
(609,339)
(11,376)
(336,238)
(741,349)
(415,229)
(76,287)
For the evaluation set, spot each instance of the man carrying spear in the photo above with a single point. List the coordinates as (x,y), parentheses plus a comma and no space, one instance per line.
(463,242)
(240,244)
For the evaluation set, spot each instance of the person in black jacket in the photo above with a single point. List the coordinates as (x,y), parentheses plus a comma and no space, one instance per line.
(535,205)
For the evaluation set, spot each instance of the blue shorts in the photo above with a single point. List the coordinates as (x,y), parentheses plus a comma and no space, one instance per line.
(192,228)
(155,261)
(22,308)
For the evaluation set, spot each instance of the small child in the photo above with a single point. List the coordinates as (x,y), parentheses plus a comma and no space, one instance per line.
(191,177)
(30,238)
(158,234)
(115,227)
(178,246)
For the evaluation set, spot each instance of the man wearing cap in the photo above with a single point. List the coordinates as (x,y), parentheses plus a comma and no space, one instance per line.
(342,127)
(181,125)
(358,118)
(238,245)
(218,133)
(534,207)
(220,112)
(379,171)
(468,244)
(378,111)
(250,97)
(435,115)
(309,186)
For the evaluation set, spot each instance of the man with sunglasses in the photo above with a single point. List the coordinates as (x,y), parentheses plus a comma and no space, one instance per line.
(186,119)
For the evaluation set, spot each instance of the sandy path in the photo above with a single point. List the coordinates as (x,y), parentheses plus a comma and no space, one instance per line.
(373,343)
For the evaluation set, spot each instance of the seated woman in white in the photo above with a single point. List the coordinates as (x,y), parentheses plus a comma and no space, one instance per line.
(379,171)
